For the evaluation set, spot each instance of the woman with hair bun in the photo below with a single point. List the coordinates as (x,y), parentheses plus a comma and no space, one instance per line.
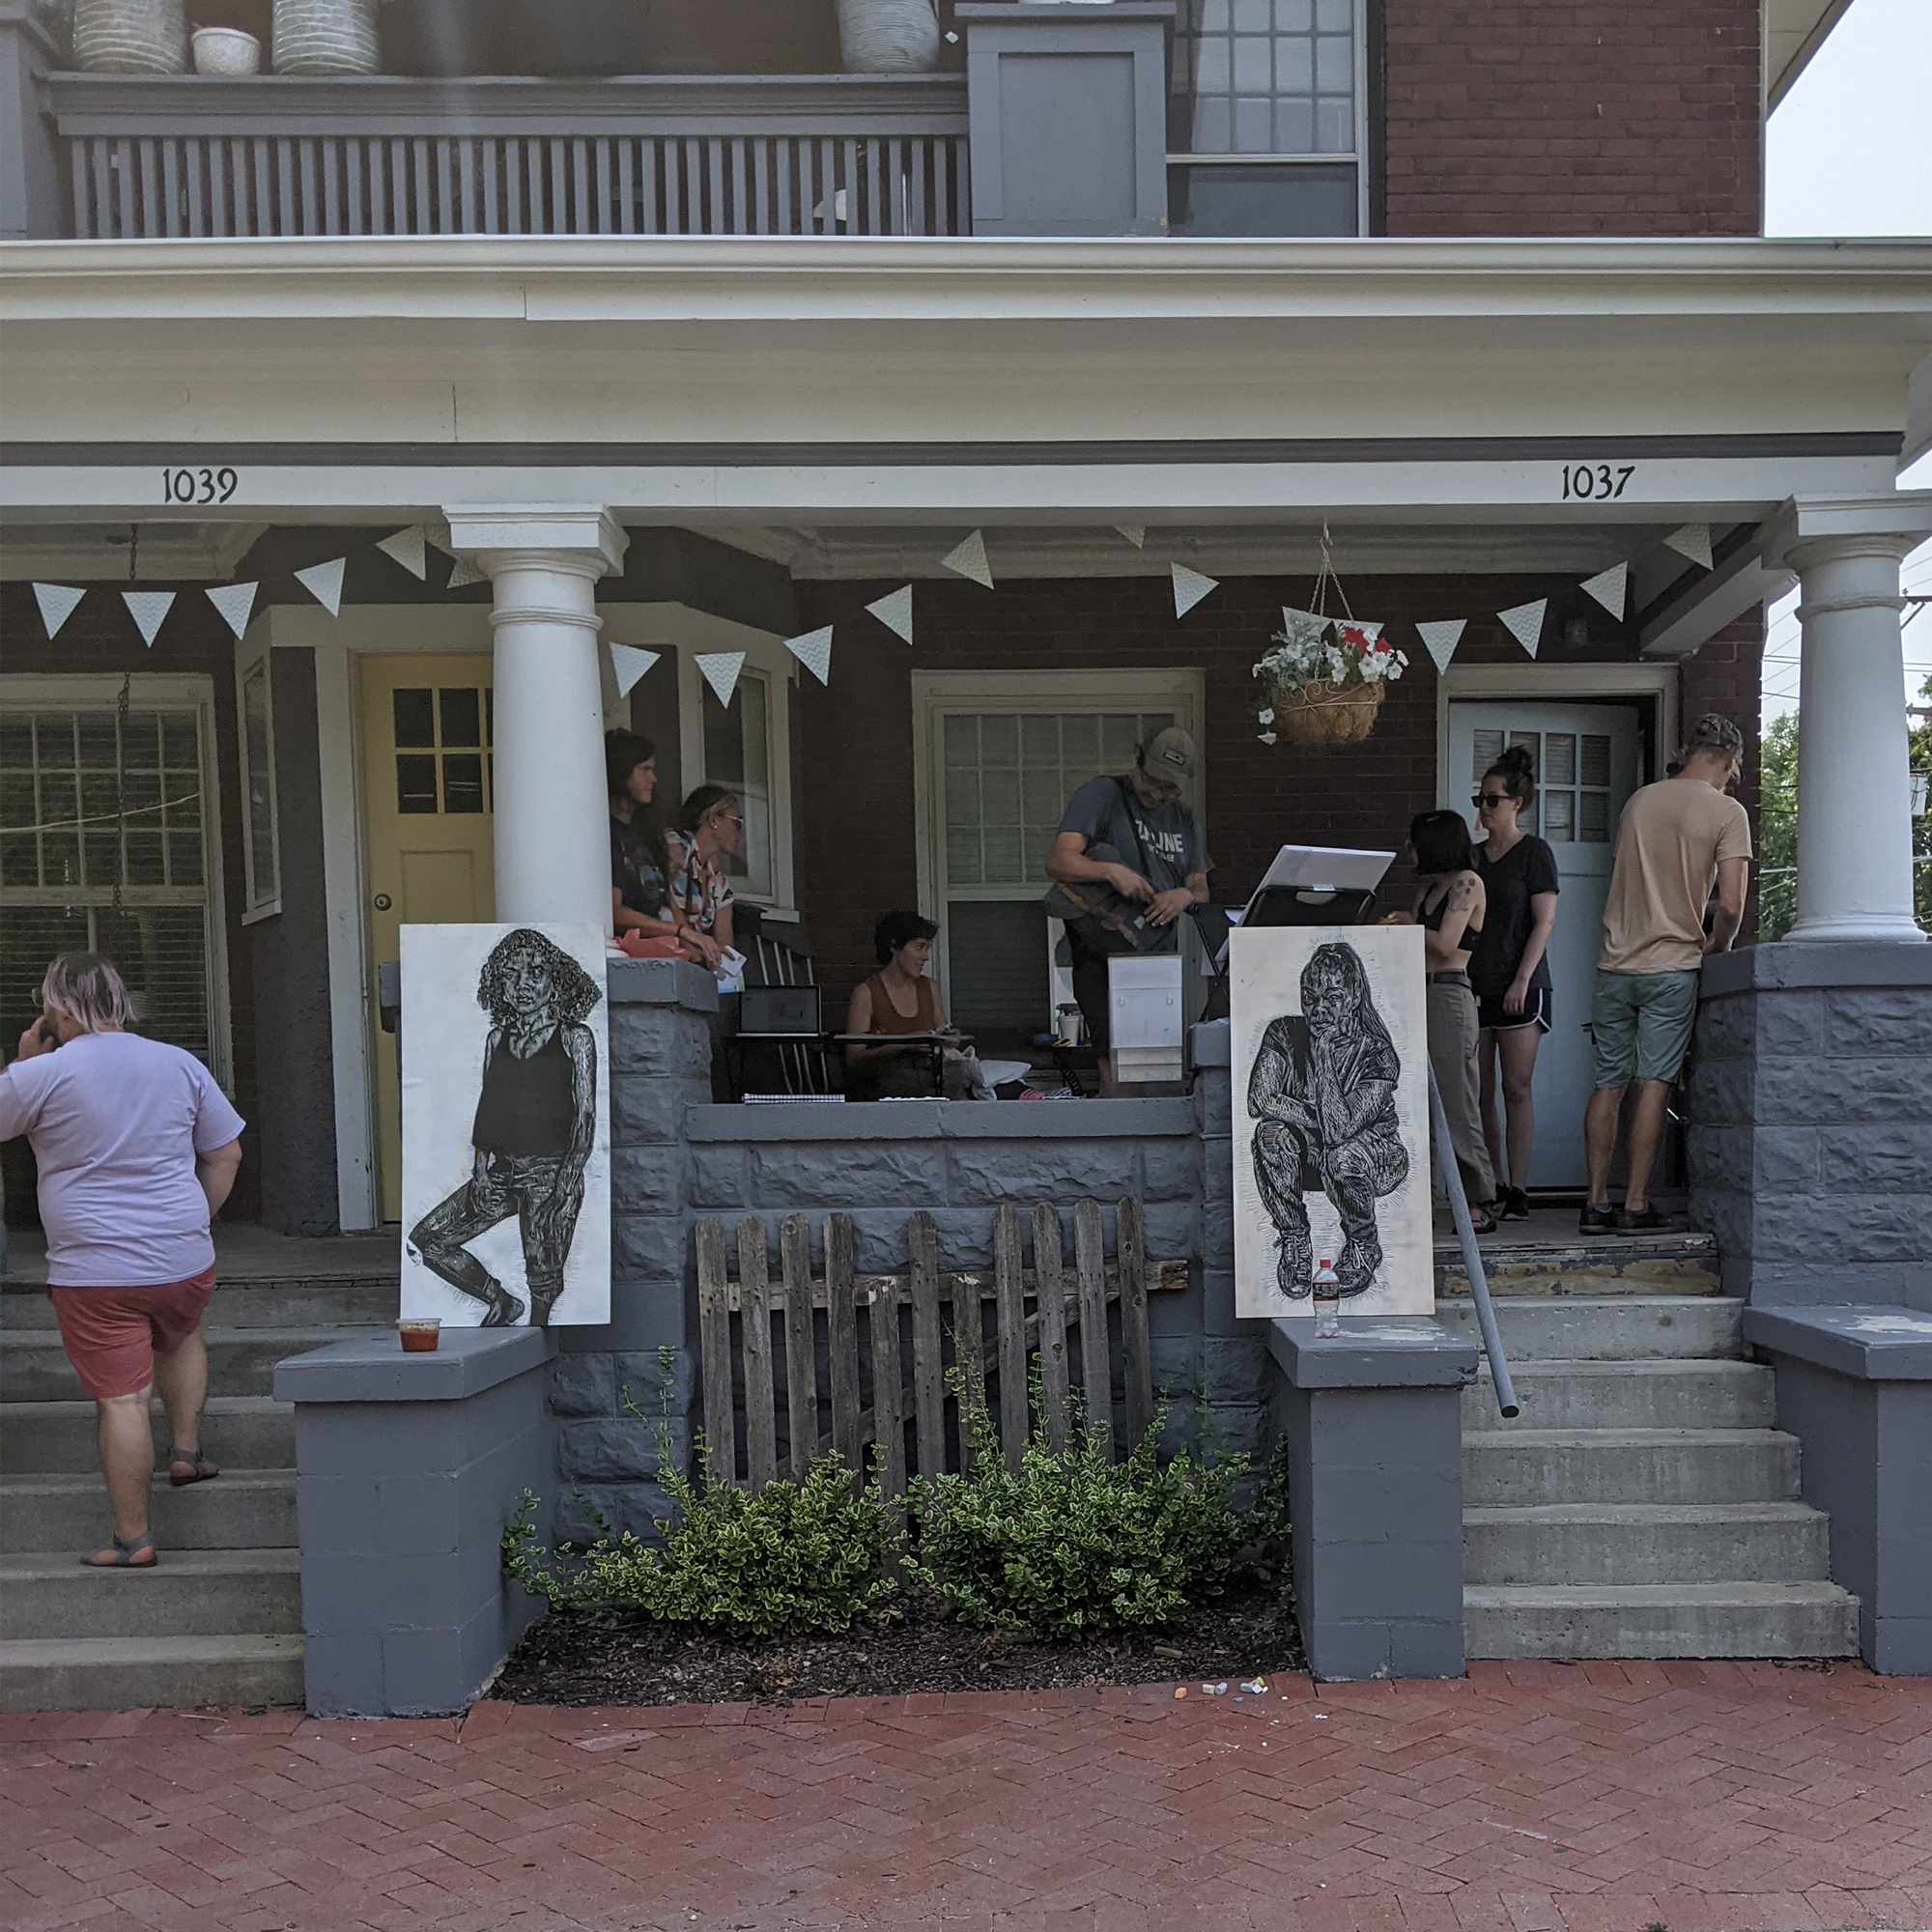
(1509,968)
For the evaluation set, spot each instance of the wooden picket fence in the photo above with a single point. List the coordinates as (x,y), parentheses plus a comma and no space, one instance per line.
(808,1326)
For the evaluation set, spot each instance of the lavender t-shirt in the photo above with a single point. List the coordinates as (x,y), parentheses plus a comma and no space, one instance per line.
(116,1122)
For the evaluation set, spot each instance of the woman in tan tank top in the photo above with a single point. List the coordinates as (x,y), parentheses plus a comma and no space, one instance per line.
(898,999)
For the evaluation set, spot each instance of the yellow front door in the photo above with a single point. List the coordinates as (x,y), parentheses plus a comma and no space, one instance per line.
(426,804)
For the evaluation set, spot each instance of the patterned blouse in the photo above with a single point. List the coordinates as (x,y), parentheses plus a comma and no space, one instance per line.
(699,887)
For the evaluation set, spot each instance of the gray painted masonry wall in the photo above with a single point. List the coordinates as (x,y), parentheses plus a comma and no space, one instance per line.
(1810,1142)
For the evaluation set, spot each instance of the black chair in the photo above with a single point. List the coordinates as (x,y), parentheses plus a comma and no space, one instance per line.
(774,1044)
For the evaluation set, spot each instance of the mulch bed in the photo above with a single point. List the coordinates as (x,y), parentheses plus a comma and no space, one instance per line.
(606,1657)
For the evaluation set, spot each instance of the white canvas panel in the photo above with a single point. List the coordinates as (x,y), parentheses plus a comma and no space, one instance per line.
(1331,1118)
(506,1125)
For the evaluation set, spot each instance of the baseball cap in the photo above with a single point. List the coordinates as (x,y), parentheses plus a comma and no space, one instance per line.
(1169,753)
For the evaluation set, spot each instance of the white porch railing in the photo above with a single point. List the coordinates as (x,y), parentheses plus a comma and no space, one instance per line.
(773,155)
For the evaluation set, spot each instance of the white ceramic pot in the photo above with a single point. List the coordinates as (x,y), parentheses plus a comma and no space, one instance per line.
(226,50)
(889,36)
(325,37)
(130,36)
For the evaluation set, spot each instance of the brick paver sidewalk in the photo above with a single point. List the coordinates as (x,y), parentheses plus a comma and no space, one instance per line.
(1536,1798)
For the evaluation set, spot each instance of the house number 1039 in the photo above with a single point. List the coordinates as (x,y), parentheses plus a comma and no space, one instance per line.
(198,486)
(1596,482)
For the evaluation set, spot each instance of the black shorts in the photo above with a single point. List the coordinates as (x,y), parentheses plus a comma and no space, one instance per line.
(1492,1017)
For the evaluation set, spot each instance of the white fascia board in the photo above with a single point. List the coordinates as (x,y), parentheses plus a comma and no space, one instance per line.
(547,278)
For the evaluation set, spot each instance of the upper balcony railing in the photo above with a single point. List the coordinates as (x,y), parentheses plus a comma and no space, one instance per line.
(767,155)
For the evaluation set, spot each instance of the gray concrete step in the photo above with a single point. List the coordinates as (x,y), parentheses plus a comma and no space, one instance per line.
(189,1593)
(117,1674)
(243,1432)
(241,1509)
(1689,1394)
(240,1361)
(353,1302)
(1606,1328)
(1574,1544)
(1809,1619)
(1513,1465)
(1547,1257)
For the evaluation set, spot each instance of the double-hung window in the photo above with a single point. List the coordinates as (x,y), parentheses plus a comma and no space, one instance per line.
(1266,119)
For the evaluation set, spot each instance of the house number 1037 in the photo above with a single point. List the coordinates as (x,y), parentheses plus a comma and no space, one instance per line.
(198,486)
(1596,482)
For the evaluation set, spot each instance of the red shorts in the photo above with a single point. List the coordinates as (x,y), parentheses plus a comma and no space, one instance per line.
(112,1335)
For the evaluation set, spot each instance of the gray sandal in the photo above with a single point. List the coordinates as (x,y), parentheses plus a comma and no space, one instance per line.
(203,1470)
(125,1550)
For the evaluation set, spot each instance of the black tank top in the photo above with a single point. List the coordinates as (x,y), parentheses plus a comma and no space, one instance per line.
(1433,922)
(525,1107)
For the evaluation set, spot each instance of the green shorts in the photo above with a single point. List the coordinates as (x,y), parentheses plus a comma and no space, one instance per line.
(1641,1024)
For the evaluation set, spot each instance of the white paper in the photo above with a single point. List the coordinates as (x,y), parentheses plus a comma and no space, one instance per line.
(1524,623)
(720,671)
(1610,587)
(969,560)
(732,971)
(58,603)
(628,664)
(813,651)
(1367,983)
(410,549)
(1441,636)
(148,609)
(323,583)
(894,611)
(236,601)
(1189,588)
(463,1206)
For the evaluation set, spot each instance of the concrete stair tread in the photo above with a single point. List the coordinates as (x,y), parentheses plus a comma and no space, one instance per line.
(309,1335)
(1623,1438)
(25,1565)
(64,1482)
(1744,1594)
(43,1650)
(1685,1366)
(108,1674)
(1767,1510)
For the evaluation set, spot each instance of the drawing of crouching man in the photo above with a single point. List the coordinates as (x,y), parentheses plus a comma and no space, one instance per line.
(1323,1091)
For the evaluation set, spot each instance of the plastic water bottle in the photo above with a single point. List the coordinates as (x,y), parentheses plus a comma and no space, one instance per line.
(1327,1300)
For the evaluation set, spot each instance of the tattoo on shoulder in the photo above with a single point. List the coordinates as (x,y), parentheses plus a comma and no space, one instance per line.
(1462,893)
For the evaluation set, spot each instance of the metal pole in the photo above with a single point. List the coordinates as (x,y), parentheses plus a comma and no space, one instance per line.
(1473,1259)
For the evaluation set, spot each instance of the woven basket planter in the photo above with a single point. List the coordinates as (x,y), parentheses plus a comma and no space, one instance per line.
(325,37)
(1327,714)
(889,36)
(130,36)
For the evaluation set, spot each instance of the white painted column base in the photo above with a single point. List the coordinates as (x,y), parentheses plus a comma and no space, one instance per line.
(553,863)
(1854,792)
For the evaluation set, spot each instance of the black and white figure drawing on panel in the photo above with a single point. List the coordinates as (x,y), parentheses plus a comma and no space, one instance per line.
(504,1036)
(1331,1120)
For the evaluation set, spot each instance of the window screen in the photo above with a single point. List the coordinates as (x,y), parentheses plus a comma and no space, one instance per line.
(738,753)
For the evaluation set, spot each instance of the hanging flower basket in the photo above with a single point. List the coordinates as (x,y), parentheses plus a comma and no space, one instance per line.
(1325,679)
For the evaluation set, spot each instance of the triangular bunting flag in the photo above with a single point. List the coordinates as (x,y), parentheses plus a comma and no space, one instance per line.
(895,613)
(630,664)
(1441,637)
(1693,541)
(1189,588)
(969,560)
(1302,629)
(1135,534)
(813,651)
(323,583)
(235,602)
(1524,623)
(407,547)
(148,609)
(721,670)
(463,573)
(57,601)
(1610,587)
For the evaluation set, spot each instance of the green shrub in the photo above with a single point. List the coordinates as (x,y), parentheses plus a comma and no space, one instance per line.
(1074,1544)
(790,1560)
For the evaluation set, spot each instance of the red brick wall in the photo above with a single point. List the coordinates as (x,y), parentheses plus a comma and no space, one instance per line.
(1727,675)
(856,839)
(1572,116)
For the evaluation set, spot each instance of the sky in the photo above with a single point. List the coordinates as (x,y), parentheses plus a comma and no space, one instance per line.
(1849,152)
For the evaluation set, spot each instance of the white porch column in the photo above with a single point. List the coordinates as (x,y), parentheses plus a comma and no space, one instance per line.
(543,561)
(1854,823)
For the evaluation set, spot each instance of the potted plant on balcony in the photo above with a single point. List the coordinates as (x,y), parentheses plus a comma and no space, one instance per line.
(327,37)
(130,36)
(889,36)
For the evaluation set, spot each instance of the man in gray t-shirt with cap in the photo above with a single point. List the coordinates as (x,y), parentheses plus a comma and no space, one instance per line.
(1133,836)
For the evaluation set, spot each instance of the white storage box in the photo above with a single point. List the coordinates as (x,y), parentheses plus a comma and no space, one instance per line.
(1144,1003)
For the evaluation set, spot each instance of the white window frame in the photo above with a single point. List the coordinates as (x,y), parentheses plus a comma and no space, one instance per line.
(178,691)
(252,655)
(1181,688)
(1359,160)
(767,657)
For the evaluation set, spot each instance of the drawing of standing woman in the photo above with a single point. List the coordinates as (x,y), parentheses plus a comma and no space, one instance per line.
(535,1124)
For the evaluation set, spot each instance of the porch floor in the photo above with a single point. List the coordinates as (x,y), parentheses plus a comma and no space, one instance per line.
(246,1252)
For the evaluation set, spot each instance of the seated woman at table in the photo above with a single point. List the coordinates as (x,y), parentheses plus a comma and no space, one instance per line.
(709,828)
(898,999)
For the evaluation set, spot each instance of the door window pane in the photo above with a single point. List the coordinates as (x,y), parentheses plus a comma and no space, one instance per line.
(462,713)
(738,754)
(416,717)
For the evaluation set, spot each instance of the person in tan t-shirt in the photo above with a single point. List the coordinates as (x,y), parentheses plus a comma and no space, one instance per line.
(1677,839)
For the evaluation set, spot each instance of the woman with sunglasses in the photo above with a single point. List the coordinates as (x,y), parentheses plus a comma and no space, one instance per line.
(1509,968)
(710,827)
